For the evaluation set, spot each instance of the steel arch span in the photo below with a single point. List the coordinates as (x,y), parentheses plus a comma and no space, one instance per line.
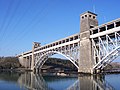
(108,58)
(40,60)
(105,49)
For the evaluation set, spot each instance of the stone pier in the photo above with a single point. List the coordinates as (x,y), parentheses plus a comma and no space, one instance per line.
(87,20)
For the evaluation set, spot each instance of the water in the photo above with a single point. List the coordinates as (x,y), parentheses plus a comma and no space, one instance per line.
(30,81)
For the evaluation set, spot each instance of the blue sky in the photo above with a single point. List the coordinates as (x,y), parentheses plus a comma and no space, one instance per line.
(25,21)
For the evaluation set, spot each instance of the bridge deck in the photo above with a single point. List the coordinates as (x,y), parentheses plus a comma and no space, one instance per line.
(97,31)
(73,39)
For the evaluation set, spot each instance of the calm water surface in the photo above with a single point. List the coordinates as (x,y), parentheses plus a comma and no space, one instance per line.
(30,81)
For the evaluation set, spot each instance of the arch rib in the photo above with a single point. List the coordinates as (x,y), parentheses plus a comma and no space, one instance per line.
(42,59)
(107,58)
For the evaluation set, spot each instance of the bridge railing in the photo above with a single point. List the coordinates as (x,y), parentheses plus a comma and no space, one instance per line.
(105,27)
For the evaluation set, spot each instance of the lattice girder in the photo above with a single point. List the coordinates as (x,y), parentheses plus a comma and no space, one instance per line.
(71,54)
(105,49)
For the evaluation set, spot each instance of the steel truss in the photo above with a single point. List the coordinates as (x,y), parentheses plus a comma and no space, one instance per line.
(71,52)
(105,49)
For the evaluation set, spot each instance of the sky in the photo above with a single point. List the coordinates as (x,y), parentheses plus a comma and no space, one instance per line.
(23,22)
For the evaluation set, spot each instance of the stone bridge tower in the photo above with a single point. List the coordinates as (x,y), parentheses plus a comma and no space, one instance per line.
(87,20)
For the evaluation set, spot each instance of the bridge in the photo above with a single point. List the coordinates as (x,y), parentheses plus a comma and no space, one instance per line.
(90,50)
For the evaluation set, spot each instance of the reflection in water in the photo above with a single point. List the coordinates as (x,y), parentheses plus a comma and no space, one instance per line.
(9,76)
(74,86)
(35,81)
(32,81)
(91,83)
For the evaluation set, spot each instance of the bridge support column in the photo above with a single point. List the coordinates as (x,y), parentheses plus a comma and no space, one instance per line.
(32,62)
(35,45)
(86,62)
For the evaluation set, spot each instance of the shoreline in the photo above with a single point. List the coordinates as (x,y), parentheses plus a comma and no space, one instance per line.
(57,73)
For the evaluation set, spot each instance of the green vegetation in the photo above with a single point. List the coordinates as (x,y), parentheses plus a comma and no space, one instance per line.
(113,66)
(53,63)
(13,63)
(9,63)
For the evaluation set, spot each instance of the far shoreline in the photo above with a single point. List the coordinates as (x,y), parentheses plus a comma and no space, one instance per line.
(68,73)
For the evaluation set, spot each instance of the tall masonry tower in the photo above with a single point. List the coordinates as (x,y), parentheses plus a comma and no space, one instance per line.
(87,21)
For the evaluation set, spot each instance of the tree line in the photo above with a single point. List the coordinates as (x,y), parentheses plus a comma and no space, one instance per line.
(9,63)
(13,63)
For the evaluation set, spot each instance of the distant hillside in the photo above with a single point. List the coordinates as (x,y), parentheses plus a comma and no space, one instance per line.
(9,63)
(51,63)
(113,65)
